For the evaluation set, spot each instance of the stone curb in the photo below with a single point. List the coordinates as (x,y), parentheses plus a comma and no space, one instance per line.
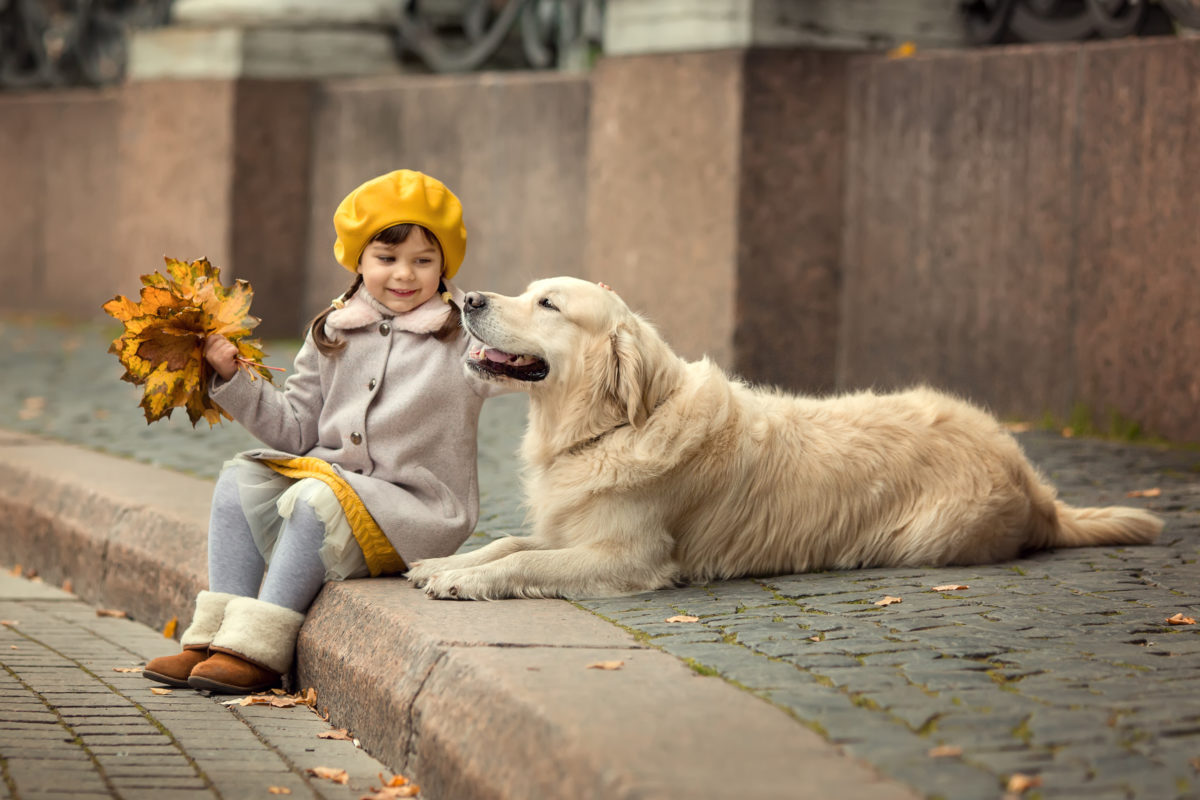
(471,700)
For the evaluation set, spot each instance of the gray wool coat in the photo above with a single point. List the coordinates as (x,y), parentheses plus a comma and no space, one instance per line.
(395,413)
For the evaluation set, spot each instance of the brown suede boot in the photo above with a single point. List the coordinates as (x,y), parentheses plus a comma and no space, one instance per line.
(225,673)
(252,649)
(174,670)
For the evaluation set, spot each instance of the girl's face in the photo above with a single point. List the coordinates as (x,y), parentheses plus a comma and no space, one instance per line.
(404,275)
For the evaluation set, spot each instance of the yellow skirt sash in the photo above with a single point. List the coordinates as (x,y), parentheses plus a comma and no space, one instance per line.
(382,558)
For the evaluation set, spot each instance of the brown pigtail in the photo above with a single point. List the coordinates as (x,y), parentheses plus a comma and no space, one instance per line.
(453,323)
(325,345)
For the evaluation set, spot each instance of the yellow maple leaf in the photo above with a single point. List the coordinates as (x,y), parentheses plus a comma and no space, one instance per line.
(161,346)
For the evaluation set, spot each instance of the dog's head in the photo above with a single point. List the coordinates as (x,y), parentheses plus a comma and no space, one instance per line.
(574,342)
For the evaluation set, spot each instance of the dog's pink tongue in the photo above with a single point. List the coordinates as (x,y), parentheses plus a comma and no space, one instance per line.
(499,356)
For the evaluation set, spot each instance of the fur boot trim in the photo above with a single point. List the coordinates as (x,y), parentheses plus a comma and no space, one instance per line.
(210,609)
(261,633)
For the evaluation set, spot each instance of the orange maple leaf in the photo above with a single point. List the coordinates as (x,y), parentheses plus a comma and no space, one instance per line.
(161,346)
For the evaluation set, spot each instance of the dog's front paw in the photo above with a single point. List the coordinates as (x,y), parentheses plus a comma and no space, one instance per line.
(420,572)
(458,584)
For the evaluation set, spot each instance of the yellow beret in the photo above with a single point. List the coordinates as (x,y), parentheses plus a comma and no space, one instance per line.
(400,196)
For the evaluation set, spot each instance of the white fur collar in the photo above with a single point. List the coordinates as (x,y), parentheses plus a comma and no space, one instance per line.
(362,310)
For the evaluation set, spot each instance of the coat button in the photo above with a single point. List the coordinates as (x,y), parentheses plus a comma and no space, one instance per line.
(385,328)
(372,384)
(356,438)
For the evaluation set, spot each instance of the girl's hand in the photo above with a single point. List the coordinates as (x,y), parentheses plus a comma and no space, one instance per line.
(222,354)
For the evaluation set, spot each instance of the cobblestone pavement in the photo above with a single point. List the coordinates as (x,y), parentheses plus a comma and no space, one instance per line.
(1060,666)
(75,726)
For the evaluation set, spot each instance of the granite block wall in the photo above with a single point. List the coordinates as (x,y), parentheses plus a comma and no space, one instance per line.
(1021,227)
(714,203)
(58,186)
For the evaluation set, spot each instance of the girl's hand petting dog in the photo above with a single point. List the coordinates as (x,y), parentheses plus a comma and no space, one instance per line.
(222,355)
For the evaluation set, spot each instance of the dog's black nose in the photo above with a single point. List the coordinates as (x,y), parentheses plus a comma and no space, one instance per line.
(474,300)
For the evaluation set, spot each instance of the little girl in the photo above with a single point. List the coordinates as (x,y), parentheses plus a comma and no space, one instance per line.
(372,465)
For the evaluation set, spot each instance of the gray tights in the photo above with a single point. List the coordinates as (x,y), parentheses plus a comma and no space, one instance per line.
(235,566)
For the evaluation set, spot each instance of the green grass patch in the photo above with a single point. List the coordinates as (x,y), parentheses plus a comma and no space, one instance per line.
(701,669)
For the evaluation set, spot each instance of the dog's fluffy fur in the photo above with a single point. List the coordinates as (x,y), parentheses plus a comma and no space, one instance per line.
(644,470)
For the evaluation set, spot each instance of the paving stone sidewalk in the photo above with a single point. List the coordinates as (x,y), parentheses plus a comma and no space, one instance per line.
(76,725)
(1061,666)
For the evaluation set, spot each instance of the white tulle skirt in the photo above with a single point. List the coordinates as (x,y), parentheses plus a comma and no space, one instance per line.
(268,500)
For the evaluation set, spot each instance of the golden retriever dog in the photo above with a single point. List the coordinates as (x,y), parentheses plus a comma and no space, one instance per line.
(644,470)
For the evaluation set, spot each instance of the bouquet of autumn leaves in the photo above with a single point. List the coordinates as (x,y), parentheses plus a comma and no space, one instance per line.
(162,346)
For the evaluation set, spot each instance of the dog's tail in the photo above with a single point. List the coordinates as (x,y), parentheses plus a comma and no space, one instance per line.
(1083,527)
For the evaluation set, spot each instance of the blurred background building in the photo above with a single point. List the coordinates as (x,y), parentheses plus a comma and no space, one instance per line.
(999,197)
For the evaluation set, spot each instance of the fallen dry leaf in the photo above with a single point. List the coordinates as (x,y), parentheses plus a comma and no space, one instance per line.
(9,622)
(904,50)
(128,669)
(16,570)
(1155,492)
(169,628)
(277,698)
(1180,619)
(950,587)
(1068,433)
(945,751)
(1019,427)
(817,638)
(32,408)
(1019,783)
(606,665)
(397,786)
(330,774)
(387,793)
(340,734)
(111,612)
(888,600)
(157,690)
(1195,762)
(68,587)
(279,790)
(683,618)
(13,647)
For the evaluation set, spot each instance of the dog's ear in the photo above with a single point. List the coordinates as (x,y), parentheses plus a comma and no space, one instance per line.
(637,378)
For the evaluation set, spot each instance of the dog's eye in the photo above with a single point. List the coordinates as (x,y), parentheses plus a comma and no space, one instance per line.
(545,303)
